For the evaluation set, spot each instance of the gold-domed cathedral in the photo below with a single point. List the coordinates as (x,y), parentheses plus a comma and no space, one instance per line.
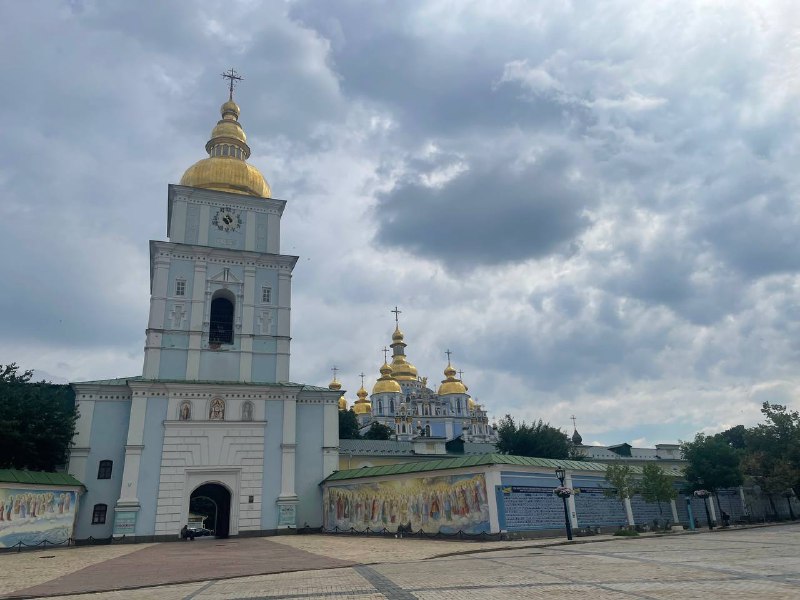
(214,414)
(402,401)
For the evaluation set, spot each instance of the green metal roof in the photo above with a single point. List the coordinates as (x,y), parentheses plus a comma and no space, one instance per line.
(37,477)
(126,380)
(472,461)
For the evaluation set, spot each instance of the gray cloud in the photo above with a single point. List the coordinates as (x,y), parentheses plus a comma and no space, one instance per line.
(492,212)
(594,208)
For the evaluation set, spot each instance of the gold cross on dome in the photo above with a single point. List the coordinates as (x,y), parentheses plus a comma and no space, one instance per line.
(335,370)
(396,312)
(233,78)
(385,353)
(448,355)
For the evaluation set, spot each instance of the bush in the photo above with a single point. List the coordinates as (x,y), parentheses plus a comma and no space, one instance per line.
(627,533)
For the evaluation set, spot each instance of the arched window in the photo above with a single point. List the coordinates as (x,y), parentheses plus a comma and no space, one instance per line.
(99,514)
(224,151)
(391,406)
(380,407)
(104,470)
(221,321)
(458,405)
(427,431)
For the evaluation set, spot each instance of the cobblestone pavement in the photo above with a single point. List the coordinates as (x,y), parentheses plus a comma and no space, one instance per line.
(763,563)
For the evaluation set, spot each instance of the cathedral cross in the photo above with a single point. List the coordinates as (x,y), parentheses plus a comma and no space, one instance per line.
(362,378)
(448,355)
(396,312)
(385,352)
(233,78)
(335,370)
(573,422)
(461,375)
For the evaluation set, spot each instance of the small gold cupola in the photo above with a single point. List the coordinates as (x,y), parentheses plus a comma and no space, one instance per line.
(386,384)
(226,168)
(336,385)
(362,406)
(451,385)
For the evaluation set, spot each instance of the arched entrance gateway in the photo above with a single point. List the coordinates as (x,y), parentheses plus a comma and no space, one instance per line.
(213,501)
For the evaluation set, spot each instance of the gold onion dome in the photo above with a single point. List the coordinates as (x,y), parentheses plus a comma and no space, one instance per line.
(225,168)
(472,404)
(402,370)
(362,405)
(451,385)
(342,402)
(386,384)
(334,385)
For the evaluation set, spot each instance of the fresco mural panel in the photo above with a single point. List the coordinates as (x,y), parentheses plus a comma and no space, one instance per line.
(434,504)
(32,516)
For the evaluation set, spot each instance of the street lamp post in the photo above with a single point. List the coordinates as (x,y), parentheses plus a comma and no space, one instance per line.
(560,474)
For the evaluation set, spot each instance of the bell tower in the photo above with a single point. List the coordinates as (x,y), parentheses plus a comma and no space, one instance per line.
(220,288)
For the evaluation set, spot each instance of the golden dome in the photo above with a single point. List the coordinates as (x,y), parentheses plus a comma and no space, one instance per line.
(362,405)
(334,384)
(362,408)
(451,385)
(472,404)
(342,403)
(225,168)
(397,336)
(386,383)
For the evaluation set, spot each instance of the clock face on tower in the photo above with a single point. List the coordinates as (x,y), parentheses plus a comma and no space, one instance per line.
(227,219)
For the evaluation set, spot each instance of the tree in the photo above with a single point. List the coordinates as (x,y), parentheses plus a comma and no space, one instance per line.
(656,485)
(712,465)
(377,431)
(774,442)
(735,437)
(38,421)
(623,484)
(348,425)
(539,439)
(622,481)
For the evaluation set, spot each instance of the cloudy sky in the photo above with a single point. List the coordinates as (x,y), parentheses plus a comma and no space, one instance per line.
(593,205)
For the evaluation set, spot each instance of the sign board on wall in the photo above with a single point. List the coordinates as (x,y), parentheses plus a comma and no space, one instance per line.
(287,515)
(125,522)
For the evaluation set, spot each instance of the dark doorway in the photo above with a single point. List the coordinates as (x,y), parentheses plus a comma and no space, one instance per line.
(213,501)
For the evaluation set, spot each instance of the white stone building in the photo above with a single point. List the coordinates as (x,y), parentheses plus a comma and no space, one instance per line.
(213,420)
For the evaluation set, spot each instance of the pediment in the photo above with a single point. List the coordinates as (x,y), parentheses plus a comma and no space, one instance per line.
(225,276)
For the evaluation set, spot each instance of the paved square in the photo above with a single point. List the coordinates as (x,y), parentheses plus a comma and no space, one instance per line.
(746,563)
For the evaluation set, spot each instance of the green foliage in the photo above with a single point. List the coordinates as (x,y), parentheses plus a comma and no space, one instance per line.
(626,533)
(773,450)
(735,437)
(348,425)
(378,431)
(38,421)
(538,439)
(712,463)
(656,485)
(622,482)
